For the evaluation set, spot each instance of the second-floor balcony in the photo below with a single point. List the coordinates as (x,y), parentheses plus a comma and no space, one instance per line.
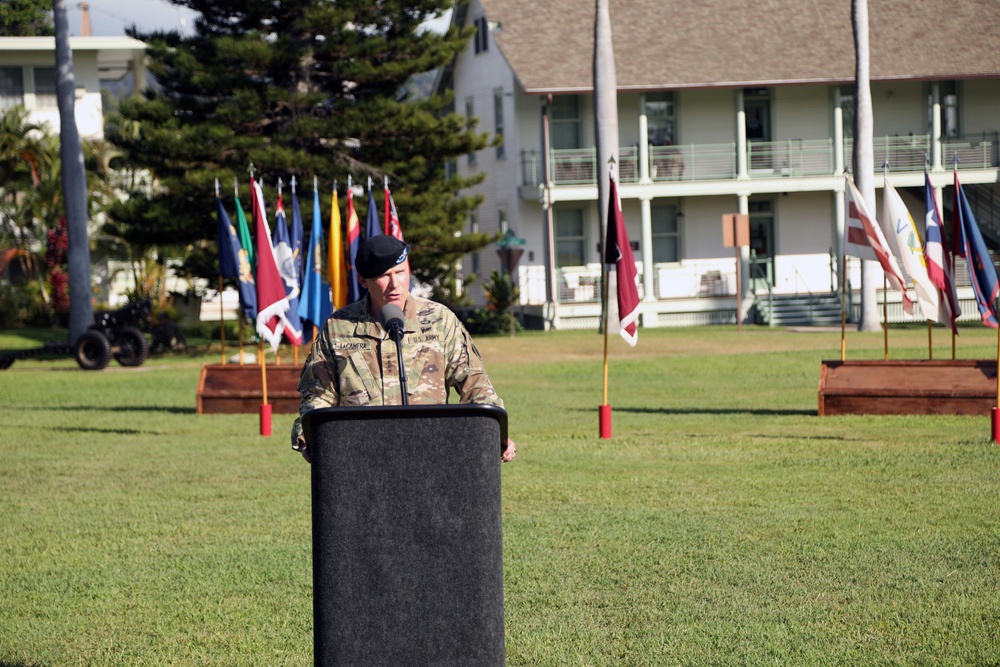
(792,158)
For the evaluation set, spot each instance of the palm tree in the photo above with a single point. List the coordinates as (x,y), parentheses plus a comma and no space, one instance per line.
(864,168)
(26,153)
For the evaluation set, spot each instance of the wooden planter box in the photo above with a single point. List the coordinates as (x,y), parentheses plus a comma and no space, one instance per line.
(908,387)
(231,388)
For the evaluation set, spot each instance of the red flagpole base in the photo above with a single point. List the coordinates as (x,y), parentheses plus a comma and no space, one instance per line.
(995,423)
(605,421)
(265,419)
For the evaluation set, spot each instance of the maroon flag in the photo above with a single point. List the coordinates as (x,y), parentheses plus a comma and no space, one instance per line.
(392,227)
(618,251)
(272,304)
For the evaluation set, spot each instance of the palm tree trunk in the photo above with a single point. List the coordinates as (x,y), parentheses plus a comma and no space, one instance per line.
(74,177)
(606,121)
(864,169)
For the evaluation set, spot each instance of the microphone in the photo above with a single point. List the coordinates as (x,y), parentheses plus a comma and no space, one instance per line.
(391,317)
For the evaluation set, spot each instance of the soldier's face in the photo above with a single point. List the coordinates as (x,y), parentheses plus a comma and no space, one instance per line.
(393,287)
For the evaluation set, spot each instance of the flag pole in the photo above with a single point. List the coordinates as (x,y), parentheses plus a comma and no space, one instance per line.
(222,323)
(885,282)
(295,346)
(265,407)
(885,317)
(222,311)
(605,409)
(241,338)
(930,340)
(995,421)
(954,241)
(843,306)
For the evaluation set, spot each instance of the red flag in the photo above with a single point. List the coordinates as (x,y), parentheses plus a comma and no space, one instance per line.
(272,304)
(392,227)
(618,251)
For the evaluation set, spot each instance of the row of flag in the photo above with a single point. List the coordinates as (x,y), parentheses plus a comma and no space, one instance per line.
(284,295)
(926,262)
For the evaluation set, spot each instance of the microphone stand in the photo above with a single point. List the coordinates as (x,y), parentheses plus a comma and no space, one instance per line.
(399,360)
(391,317)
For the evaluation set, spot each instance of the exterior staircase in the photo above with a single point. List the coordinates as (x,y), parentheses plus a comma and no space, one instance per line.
(803,310)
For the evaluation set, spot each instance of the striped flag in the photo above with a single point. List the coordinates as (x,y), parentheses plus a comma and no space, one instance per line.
(864,239)
(354,289)
(938,262)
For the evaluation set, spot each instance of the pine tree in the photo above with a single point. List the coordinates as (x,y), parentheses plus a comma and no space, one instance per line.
(303,88)
(26,18)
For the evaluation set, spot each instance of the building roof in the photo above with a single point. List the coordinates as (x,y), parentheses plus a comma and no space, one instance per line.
(75,44)
(671,44)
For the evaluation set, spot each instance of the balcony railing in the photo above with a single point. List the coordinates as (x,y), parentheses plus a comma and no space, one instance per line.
(792,158)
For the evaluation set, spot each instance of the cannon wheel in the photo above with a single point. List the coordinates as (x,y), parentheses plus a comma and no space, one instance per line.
(92,350)
(133,348)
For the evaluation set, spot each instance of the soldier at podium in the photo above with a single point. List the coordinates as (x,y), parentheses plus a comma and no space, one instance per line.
(354,362)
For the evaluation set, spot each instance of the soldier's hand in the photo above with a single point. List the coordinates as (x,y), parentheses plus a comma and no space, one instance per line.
(301,447)
(509,451)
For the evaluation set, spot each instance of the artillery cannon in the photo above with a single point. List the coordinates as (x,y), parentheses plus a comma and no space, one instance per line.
(114,333)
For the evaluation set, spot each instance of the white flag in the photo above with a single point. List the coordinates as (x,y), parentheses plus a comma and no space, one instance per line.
(904,239)
(864,239)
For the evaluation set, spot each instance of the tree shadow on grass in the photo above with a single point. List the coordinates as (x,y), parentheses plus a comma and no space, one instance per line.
(20,663)
(763,412)
(109,431)
(109,408)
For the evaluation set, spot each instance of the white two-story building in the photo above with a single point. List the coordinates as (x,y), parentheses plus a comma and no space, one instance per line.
(28,76)
(723,107)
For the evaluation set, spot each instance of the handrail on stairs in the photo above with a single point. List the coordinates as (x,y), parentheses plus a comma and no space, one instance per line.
(757,272)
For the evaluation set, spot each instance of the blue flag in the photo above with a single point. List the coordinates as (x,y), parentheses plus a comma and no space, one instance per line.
(314,305)
(373,227)
(234,261)
(981,270)
(284,254)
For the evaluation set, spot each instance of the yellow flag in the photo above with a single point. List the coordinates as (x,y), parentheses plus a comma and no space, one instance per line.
(336,269)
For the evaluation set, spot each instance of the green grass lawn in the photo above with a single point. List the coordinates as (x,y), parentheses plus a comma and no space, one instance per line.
(723,524)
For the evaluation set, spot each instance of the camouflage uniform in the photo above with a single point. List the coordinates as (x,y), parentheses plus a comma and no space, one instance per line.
(354,361)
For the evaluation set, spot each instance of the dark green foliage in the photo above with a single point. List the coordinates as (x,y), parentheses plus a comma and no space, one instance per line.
(26,18)
(501,294)
(304,88)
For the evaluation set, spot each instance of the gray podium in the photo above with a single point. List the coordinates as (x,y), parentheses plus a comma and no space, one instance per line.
(407,547)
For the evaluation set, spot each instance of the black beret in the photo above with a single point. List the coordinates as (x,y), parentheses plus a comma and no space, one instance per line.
(378,254)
